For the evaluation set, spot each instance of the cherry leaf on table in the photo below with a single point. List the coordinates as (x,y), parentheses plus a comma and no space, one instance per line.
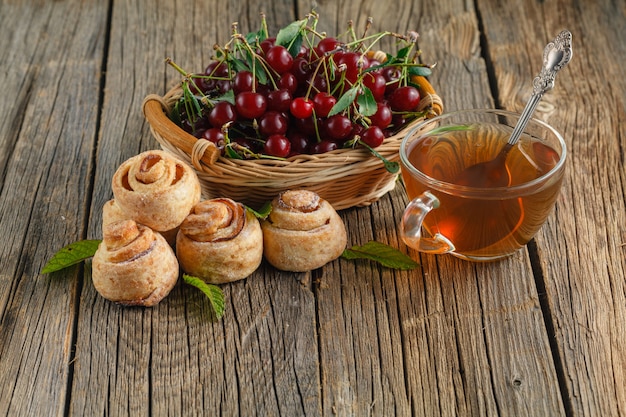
(71,255)
(213,293)
(386,255)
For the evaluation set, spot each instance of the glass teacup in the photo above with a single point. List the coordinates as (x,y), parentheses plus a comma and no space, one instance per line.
(449,213)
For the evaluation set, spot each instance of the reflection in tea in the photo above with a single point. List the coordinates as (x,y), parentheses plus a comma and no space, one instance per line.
(486,223)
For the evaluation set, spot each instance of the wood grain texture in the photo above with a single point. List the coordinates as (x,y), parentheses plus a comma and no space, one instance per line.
(585,237)
(465,317)
(48,119)
(540,333)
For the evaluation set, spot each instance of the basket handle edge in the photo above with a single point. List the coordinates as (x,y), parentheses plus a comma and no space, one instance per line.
(153,108)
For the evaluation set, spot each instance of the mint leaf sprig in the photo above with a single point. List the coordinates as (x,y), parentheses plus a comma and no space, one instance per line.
(82,250)
(213,293)
(71,254)
(385,255)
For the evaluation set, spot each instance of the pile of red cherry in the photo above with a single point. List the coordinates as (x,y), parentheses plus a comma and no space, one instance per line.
(324,96)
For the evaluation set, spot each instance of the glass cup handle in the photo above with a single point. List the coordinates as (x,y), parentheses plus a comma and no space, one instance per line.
(411,226)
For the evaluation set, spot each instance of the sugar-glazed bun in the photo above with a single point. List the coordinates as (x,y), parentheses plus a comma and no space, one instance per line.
(302,232)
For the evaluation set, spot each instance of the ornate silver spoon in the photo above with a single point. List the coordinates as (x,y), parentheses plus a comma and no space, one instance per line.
(493,173)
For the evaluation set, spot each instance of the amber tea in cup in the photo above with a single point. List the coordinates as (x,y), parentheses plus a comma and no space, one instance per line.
(478,222)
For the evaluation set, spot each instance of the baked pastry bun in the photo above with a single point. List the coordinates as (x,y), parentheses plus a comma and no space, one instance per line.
(112,212)
(156,189)
(302,232)
(220,241)
(133,265)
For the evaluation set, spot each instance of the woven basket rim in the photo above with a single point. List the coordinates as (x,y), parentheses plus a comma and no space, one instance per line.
(256,179)
(388,149)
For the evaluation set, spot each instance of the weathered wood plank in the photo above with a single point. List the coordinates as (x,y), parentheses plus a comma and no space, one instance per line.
(581,249)
(460,325)
(261,358)
(50,58)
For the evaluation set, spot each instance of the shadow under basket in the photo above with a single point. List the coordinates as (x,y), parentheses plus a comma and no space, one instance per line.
(344,177)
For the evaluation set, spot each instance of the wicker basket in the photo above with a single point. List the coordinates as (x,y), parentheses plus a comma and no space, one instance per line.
(344,177)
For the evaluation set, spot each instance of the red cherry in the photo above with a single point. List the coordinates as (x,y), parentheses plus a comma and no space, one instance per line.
(301,107)
(217,69)
(323,103)
(382,117)
(243,81)
(392,76)
(299,143)
(354,62)
(277,145)
(222,113)
(327,44)
(216,136)
(306,126)
(272,123)
(289,82)
(250,105)
(373,136)
(324,146)
(301,69)
(279,58)
(376,83)
(338,127)
(267,43)
(405,98)
(279,100)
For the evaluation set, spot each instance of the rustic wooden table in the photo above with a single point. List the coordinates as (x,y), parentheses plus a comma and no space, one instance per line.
(542,333)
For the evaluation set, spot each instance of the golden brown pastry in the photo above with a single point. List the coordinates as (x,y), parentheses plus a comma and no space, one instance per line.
(112,212)
(220,241)
(302,232)
(156,189)
(134,265)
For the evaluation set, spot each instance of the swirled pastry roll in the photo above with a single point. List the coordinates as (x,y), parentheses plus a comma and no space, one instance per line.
(220,241)
(133,265)
(112,212)
(302,232)
(156,189)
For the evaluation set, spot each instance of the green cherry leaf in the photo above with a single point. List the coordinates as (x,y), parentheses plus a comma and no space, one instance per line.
(294,46)
(404,52)
(391,166)
(344,101)
(213,293)
(367,102)
(422,70)
(288,34)
(384,254)
(231,153)
(71,255)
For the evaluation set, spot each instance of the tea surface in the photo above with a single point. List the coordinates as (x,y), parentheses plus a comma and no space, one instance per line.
(491,223)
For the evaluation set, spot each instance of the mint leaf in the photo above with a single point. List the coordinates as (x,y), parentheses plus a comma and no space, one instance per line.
(384,254)
(213,293)
(263,212)
(71,255)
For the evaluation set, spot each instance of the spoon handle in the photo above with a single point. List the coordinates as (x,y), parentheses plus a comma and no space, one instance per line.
(555,56)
